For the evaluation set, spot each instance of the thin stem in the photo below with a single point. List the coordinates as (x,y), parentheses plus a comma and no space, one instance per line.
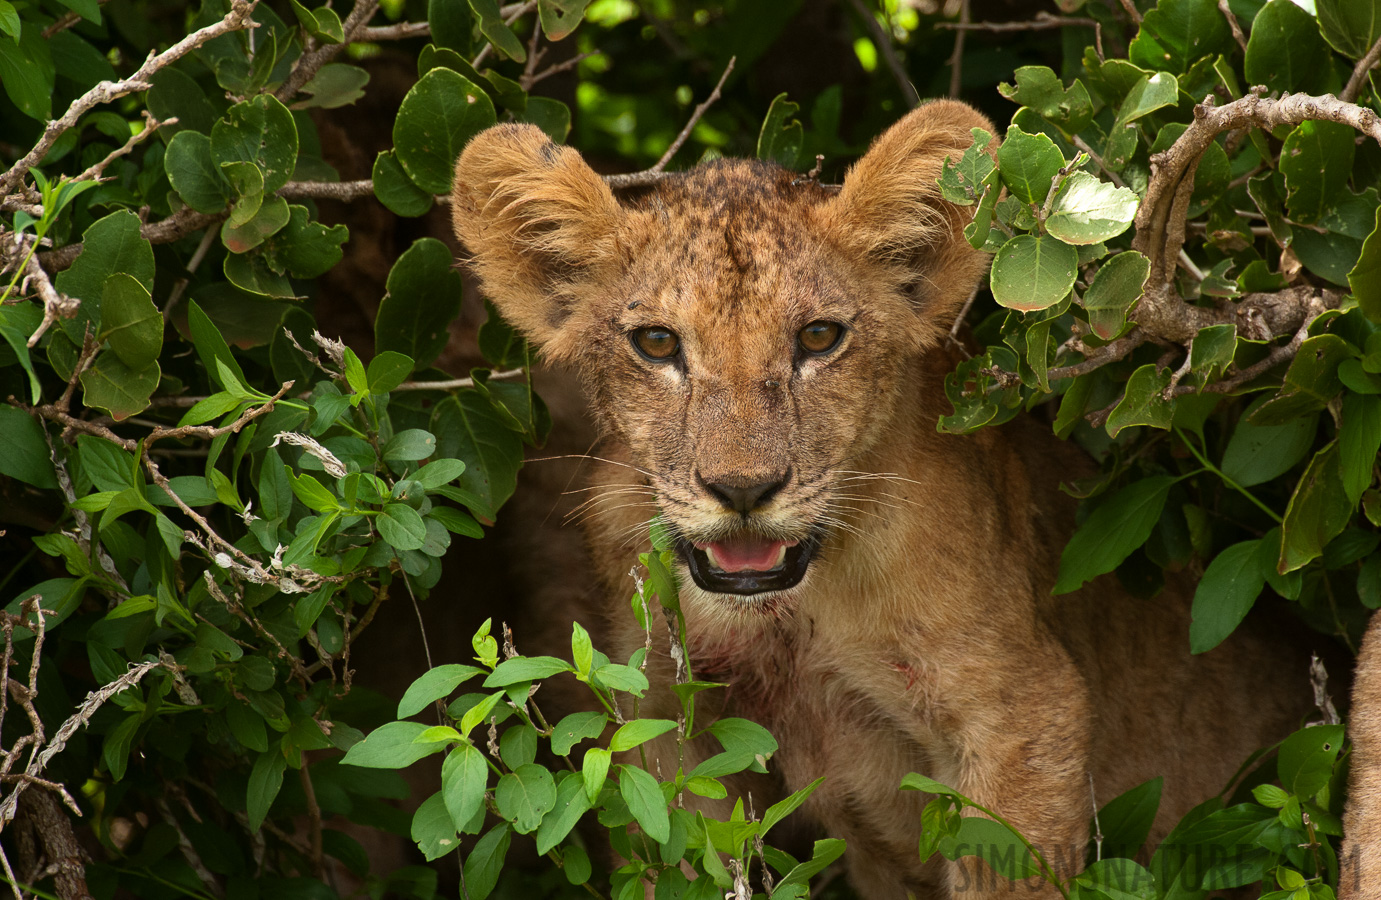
(1226,480)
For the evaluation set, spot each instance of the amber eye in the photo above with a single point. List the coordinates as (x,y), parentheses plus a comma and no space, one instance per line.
(820,336)
(656,343)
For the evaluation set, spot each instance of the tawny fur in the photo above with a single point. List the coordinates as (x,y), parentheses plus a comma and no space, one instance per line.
(923,637)
(1360,857)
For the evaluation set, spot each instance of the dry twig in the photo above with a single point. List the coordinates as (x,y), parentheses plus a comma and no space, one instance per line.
(655,174)
(889,53)
(1359,72)
(1042,22)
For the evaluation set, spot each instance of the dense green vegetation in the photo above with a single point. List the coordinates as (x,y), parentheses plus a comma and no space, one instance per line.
(209,501)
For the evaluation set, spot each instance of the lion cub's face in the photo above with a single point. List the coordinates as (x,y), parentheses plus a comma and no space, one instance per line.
(741,328)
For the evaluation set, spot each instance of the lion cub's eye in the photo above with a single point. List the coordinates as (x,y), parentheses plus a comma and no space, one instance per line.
(656,343)
(820,336)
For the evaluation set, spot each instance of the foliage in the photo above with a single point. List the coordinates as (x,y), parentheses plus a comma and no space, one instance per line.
(214,501)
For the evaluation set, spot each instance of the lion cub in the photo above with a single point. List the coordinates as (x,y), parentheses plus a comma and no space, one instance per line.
(765,356)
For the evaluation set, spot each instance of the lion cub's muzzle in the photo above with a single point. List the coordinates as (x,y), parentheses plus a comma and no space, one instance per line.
(747,564)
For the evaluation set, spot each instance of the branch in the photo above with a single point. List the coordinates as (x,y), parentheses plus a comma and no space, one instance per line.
(1131,9)
(1359,73)
(55,306)
(150,126)
(165,231)
(106,91)
(1041,22)
(889,53)
(328,190)
(398,32)
(1237,34)
(309,63)
(654,174)
(454,384)
(1096,359)
(956,58)
(1160,222)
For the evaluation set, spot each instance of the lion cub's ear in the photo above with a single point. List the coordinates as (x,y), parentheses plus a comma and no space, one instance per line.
(538,221)
(890,207)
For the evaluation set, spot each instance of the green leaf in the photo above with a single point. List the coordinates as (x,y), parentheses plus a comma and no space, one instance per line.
(1119,878)
(518,746)
(312,492)
(260,131)
(1116,286)
(118,389)
(438,117)
(322,23)
(1306,759)
(247,183)
(247,726)
(571,803)
(1359,439)
(265,781)
(1226,593)
(1028,163)
(335,85)
(783,808)
(1318,512)
(639,731)
(130,321)
(177,94)
(303,248)
(1310,382)
(560,17)
(1118,526)
(493,28)
(1089,211)
(1039,88)
(781,135)
(110,245)
(193,174)
(424,295)
(397,192)
(1127,819)
(23,450)
(1365,277)
(9,20)
(115,750)
(644,798)
(386,371)
(525,668)
(16,324)
(575,728)
(1144,401)
(1351,26)
(1033,272)
(1213,348)
(822,854)
(452,25)
(245,235)
(27,72)
(1177,32)
(435,684)
(464,777)
(594,768)
(433,829)
(552,116)
(525,795)
(402,526)
(391,746)
(994,843)
(485,862)
(1257,454)
(479,712)
(1316,161)
(1284,50)
(211,346)
(467,428)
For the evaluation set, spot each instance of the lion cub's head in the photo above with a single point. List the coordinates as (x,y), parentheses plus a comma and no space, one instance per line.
(742,328)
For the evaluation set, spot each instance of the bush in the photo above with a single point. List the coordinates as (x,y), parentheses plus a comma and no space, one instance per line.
(208,501)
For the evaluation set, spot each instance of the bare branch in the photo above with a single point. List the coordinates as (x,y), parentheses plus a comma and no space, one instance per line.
(1359,72)
(106,91)
(1160,221)
(1096,359)
(1132,11)
(165,231)
(556,68)
(328,190)
(889,53)
(400,31)
(1042,22)
(956,58)
(55,306)
(150,126)
(309,63)
(1237,34)
(455,384)
(654,174)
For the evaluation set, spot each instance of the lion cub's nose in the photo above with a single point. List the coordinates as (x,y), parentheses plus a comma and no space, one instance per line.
(744,494)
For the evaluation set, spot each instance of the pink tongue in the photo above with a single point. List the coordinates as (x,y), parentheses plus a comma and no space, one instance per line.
(746,554)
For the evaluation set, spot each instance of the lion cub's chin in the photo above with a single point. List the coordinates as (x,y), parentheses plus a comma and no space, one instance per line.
(746,564)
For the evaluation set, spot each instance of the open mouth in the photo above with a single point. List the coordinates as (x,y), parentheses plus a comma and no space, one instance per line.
(747,564)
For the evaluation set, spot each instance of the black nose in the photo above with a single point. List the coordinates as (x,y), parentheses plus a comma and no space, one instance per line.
(745,494)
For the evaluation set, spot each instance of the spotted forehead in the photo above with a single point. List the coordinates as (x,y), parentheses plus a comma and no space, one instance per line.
(734,237)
